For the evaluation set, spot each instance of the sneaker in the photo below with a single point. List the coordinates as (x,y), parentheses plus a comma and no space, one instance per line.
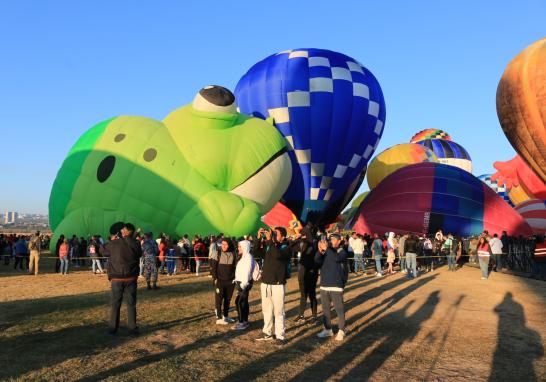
(221,321)
(280,342)
(378,275)
(340,335)
(265,337)
(484,278)
(240,326)
(316,321)
(325,333)
(229,320)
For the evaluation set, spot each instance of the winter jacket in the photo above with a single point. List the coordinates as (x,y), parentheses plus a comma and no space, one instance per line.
(410,245)
(222,266)
(334,270)
(306,248)
(245,266)
(124,258)
(276,259)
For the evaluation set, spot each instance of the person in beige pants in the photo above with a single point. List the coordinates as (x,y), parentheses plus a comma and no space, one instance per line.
(35,247)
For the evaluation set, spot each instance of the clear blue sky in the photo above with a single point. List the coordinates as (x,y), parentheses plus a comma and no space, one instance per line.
(66,65)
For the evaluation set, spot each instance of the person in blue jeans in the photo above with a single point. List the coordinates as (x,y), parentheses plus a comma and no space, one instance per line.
(410,249)
(170,260)
(484,254)
(377,252)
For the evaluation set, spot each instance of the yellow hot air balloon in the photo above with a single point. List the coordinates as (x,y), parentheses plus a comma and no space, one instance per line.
(395,158)
(521,105)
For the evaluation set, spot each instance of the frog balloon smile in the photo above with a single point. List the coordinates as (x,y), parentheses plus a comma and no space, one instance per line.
(206,168)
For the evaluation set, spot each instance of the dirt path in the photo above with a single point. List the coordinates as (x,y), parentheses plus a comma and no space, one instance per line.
(442,326)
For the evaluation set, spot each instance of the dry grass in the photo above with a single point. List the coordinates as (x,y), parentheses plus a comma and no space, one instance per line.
(441,326)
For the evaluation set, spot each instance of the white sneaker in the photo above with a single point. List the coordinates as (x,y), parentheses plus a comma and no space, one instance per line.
(221,321)
(325,333)
(340,335)
(229,320)
(379,275)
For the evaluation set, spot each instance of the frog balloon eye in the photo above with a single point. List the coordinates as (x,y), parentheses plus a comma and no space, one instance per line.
(216,99)
(149,155)
(105,169)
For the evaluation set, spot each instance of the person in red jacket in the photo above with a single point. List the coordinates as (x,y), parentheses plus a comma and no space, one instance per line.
(162,249)
(63,256)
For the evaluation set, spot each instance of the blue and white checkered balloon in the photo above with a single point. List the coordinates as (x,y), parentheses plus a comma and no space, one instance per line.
(331,111)
(500,190)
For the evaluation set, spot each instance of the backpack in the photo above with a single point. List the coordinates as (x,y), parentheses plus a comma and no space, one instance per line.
(32,245)
(256,271)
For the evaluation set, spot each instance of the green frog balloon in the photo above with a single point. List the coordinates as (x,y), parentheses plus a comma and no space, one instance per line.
(205,169)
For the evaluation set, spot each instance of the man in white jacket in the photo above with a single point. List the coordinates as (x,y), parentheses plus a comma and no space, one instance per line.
(243,281)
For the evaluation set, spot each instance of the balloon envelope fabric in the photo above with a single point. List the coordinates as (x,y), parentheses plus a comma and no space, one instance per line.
(430,134)
(425,197)
(397,157)
(534,213)
(331,111)
(500,190)
(449,152)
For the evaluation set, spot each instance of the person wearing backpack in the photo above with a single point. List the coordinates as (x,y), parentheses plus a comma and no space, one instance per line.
(245,275)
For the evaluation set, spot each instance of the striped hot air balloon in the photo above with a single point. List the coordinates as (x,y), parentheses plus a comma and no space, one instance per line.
(449,152)
(534,213)
(331,111)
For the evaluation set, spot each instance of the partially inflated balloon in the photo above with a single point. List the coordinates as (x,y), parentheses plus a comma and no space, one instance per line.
(521,105)
(425,197)
(430,134)
(534,213)
(331,111)
(206,168)
(395,158)
(449,152)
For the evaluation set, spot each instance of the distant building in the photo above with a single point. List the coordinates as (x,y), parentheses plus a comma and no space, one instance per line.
(11,217)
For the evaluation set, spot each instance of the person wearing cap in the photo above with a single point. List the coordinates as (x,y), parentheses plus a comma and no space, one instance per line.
(123,268)
(334,272)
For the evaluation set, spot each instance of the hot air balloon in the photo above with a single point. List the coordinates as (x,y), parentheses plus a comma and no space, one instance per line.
(395,158)
(534,213)
(449,152)
(430,134)
(425,197)
(516,172)
(521,105)
(500,190)
(331,111)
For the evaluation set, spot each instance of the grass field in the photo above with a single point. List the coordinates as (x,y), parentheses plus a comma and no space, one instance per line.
(441,326)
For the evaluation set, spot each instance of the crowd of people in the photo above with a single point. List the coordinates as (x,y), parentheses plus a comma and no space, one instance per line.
(271,257)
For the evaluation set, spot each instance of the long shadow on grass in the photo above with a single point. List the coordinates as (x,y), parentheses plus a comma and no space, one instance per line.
(200,344)
(309,343)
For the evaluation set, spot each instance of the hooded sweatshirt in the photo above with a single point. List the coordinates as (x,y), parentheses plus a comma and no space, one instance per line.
(245,265)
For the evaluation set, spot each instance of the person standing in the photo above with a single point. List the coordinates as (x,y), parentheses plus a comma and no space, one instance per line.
(243,281)
(304,246)
(123,267)
(64,251)
(359,246)
(276,257)
(410,249)
(334,272)
(150,251)
(21,250)
(484,254)
(222,265)
(450,249)
(93,249)
(35,247)
(377,251)
(496,250)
